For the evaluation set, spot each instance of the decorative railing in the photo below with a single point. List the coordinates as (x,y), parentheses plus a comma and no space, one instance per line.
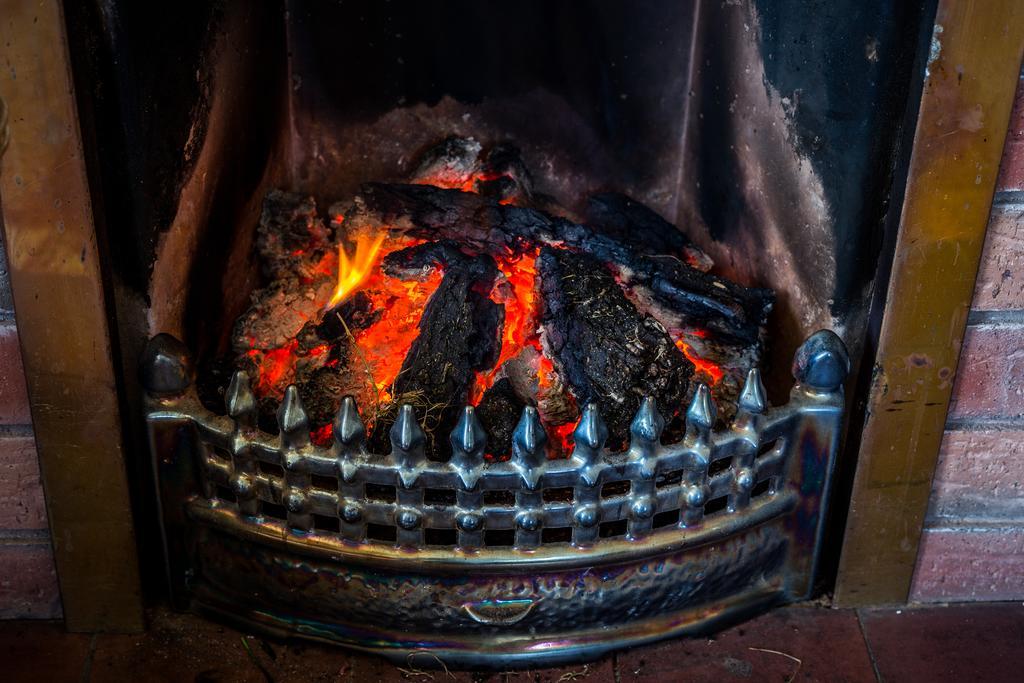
(469,502)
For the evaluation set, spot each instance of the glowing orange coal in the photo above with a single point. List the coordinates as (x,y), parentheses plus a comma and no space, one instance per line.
(518,294)
(384,345)
(353,270)
(707,367)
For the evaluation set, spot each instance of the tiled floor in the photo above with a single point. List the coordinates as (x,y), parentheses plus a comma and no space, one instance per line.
(958,643)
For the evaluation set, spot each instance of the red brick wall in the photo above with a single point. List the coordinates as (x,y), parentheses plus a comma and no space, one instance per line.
(28,581)
(973,543)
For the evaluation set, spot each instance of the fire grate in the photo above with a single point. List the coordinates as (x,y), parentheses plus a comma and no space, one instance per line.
(483,563)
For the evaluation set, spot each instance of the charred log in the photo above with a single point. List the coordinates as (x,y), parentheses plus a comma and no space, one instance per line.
(606,350)
(460,163)
(499,411)
(460,331)
(483,224)
(627,221)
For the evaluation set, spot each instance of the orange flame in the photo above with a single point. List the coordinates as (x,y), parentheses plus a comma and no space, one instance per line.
(352,271)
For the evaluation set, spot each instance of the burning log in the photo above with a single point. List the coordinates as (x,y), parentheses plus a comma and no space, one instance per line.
(607,351)
(627,221)
(461,164)
(483,224)
(459,333)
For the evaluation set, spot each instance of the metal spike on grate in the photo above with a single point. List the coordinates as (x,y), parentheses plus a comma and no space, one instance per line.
(648,423)
(590,435)
(468,441)
(752,398)
(528,453)
(349,430)
(241,404)
(407,444)
(645,432)
(349,437)
(292,420)
(701,413)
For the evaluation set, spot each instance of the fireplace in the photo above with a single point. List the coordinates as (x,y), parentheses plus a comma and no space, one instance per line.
(461,421)
(548,539)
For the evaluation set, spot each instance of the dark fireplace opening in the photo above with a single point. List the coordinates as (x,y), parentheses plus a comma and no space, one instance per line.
(234,146)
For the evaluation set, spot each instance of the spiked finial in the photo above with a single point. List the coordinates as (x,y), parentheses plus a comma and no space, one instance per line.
(292,420)
(648,422)
(349,430)
(645,435)
(701,413)
(241,404)
(165,368)
(822,361)
(528,441)
(407,440)
(590,434)
(752,398)
(468,441)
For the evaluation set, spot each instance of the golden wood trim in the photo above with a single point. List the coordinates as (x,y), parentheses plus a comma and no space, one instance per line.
(63,324)
(964,113)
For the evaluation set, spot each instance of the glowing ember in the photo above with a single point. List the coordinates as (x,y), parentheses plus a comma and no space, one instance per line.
(561,438)
(519,296)
(275,366)
(715,372)
(353,271)
(384,345)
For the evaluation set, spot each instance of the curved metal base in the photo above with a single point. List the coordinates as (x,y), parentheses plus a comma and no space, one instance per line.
(489,620)
(516,652)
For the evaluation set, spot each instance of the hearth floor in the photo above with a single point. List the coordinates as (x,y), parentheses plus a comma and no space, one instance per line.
(978,642)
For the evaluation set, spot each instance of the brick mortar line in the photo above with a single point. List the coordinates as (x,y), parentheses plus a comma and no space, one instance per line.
(1000,318)
(985,424)
(41,542)
(12,532)
(17,430)
(974,526)
(951,523)
(86,673)
(1008,198)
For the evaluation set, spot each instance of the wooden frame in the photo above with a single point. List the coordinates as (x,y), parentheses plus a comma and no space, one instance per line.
(969,87)
(63,323)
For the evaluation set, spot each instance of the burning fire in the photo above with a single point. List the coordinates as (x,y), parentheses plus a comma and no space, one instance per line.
(380,348)
(352,271)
